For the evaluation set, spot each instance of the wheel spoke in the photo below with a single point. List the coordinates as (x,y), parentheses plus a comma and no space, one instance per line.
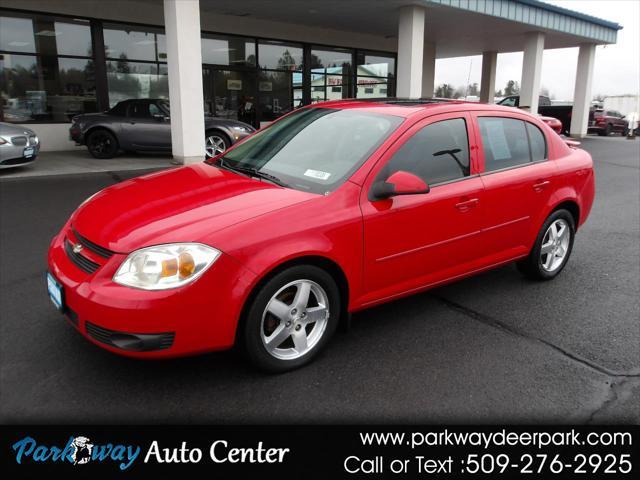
(279,309)
(315,314)
(300,340)
(546,248)
(279,335)
(302,296)
(553,232)
(549,261)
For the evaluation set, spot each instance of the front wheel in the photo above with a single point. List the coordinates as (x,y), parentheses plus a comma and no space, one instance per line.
(552,249)
(215,144)
(102,144)
(291,318)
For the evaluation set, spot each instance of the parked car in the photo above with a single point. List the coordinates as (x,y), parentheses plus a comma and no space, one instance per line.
(144,126)
(545,108)
(18,145)
(331,209)
(606,122)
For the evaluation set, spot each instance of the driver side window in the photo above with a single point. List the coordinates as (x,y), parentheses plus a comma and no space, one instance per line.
(437,153)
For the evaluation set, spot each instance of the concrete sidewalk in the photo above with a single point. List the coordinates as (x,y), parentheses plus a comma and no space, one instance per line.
(80,161)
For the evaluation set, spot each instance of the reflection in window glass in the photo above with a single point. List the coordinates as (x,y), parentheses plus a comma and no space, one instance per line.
(538,143)
(130,44)
(228,51)
(330,61)
(16,35)
(371,87)
(136,80)
(437,153)
(276,94)
(67,89)
(328,87)
(73,39)
(375,65)
(279,56)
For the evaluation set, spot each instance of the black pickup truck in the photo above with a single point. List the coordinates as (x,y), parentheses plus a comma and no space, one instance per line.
(561,112)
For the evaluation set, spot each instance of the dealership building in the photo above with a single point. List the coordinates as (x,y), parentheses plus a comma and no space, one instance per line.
(255,60)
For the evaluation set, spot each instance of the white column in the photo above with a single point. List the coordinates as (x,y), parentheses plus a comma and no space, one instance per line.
(488,79)
(410,45)
(582,91)
(428,69)
(184,59)
(531,71)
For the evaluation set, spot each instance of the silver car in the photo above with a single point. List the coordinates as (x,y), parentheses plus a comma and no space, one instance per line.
(18,145)
(143,125)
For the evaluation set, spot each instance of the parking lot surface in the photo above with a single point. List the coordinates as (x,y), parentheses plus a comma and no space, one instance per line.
(493,348)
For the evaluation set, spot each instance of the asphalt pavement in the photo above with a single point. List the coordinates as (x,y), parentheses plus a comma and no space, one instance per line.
(496,348)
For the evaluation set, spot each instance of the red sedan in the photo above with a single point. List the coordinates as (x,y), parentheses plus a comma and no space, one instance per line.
(332,209)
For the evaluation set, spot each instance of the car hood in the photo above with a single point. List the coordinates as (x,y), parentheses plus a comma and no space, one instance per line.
(6,129)
(188,204)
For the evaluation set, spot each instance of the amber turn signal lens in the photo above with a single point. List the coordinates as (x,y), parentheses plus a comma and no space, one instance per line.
(169,268)
(186,265)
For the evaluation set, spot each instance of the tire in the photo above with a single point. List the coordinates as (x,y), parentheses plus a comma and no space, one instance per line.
(215,143)
(608,129)
(102,144)
(538,265)
(625,132)
(290,322)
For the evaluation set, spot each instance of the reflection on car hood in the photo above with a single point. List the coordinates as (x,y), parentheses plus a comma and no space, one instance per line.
(187,204)
(7,129)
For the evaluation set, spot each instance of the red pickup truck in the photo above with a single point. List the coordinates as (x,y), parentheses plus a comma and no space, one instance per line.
(606,122)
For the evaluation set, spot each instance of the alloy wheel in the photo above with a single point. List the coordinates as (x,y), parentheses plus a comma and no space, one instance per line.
(555,245)
(294,320)
(215,145)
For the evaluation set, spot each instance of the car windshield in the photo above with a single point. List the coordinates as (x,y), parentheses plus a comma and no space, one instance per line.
(164,104)
(313,149)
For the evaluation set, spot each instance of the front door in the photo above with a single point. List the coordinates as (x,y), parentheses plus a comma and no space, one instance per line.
(146,127)
(417,240)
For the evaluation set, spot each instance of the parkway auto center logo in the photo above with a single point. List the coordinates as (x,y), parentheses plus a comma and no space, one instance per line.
(79,450)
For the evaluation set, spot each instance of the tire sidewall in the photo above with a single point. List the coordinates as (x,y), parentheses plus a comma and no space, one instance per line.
(251,323)
(566,216)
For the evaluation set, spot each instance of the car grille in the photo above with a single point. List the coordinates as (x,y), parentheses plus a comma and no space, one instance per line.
(139,342)
(16,161)
(89,245)
(19,141)
(82,262)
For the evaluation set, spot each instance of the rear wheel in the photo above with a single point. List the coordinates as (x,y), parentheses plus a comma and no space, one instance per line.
(291,318)
(215,143)
(552,248)
(102,144)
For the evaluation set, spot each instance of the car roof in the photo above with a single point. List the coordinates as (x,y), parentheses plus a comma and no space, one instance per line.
(409,107)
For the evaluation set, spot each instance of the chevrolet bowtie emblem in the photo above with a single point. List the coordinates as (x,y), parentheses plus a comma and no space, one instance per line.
(77,247)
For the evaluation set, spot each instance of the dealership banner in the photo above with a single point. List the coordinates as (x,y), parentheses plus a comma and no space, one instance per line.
(327,452)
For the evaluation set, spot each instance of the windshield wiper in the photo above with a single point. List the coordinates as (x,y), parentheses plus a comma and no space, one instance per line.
(252,171)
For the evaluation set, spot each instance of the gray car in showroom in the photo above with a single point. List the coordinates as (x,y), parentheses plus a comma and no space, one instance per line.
(18,145)
(143,125)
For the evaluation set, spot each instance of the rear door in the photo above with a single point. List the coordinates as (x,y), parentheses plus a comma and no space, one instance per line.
(416,240)
(518,179)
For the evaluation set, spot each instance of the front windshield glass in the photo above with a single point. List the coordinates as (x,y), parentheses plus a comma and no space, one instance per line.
(314,149)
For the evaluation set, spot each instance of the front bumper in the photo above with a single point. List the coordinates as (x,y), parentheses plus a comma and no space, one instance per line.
(14,155)
(196,318)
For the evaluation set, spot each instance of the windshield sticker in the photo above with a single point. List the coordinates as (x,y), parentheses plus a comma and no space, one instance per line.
(497,140)
(317,174)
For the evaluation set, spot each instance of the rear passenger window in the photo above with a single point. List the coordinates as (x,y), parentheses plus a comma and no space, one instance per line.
(505,142)
(538,143)
(437,153)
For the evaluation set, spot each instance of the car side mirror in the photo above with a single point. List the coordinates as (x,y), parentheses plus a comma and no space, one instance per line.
(160,117)
(398,183)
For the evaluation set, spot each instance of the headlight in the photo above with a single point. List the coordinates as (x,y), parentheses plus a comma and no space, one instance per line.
(165,266)
(241,129)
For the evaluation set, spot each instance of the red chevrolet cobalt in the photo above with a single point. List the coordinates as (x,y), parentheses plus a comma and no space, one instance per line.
(332,209)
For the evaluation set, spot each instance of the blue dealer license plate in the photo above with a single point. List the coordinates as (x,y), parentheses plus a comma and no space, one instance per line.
(55,291)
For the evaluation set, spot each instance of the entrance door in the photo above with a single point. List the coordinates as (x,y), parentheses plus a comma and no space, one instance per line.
(230,94)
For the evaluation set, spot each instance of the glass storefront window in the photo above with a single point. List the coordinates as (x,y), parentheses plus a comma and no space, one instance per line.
(279,56)
(376,65)
(16,35)
(276,94)
(330,61)
(72,38)
(372,87)
(136,80)
(130,44)
(45,89)
(234,51)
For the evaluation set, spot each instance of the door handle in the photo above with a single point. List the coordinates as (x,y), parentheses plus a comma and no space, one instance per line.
(467,204)
(541,185)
